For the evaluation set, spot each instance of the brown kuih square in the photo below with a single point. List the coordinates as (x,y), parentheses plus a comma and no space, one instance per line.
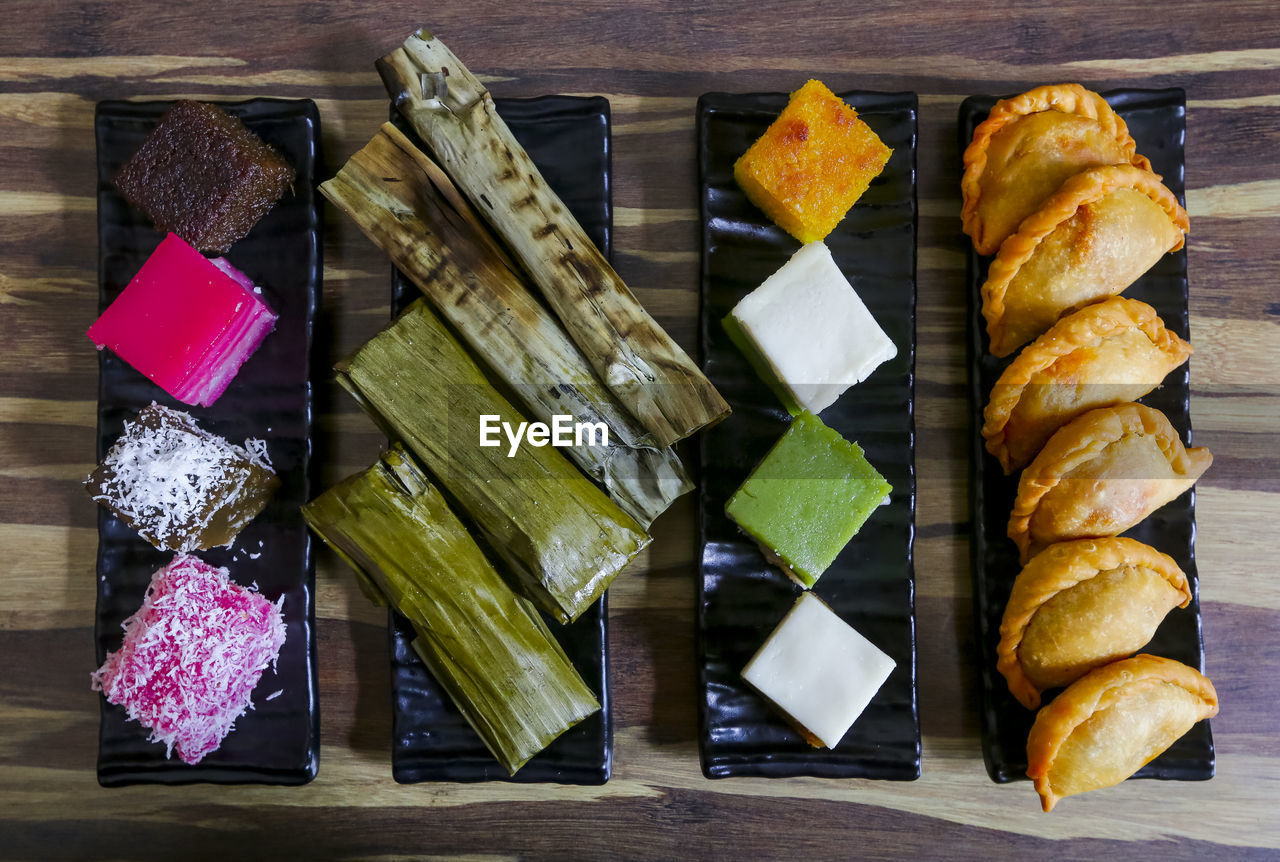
(179,486)
(202,175)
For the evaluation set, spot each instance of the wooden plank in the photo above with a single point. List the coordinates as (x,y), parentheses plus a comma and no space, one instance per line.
(652,58)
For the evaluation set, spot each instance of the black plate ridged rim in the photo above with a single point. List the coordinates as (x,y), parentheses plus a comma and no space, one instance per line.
(568,138)
(871,584)
(1157,121)
(276,742)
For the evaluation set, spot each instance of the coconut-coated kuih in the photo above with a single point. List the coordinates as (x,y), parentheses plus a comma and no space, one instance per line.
(192,656)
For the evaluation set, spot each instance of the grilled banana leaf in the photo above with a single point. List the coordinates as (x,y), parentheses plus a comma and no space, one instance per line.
(407,206)
(454,115)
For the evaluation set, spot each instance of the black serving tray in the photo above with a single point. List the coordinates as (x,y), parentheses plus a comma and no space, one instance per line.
(277,741)
(871,585)
(568,138)
(1157,120)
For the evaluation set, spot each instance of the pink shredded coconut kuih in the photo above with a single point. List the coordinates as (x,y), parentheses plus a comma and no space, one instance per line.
(192,655)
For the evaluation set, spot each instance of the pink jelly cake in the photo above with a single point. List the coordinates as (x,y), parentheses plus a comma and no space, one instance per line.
(186,322)
(191,657)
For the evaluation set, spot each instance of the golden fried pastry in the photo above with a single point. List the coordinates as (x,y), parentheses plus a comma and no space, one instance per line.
(1107,353)
(1113,721)
(1099,475)
(1091,239)
(1030,145)
(1082,604)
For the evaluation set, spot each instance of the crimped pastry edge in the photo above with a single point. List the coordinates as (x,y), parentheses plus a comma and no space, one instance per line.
(1083,188)
(1080,440)
(1086,559)
(1101,689)
(1078,330)
(1065,98)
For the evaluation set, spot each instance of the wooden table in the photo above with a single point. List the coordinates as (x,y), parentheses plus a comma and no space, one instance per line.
(651,59)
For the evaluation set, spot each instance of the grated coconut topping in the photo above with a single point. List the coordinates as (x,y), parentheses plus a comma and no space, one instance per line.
(169,479)
(191,657)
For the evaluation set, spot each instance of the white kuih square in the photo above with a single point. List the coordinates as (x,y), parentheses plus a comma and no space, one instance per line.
(809,325)
(818,670)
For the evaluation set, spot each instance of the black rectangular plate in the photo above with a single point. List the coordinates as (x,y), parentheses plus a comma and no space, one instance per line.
(871,585)
(277,741)
(568,138)
(1157,120)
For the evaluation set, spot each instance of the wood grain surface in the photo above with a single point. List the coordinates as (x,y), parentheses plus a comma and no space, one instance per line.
(651,59)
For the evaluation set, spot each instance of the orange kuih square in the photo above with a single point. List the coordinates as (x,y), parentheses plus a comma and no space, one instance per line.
(812,164)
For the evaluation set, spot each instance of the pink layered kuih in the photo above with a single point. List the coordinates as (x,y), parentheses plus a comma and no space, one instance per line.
(186,322)
(192,655)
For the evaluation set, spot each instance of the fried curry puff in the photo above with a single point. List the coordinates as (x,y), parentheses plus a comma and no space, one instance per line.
(1030,145)
(1112,722)
(1101,474)
(1081,604)
(1107,353)
(1091,239)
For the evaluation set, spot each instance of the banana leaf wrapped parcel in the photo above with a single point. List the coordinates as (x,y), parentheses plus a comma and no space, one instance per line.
(454,115)
(406,204)
(562,536)
(488,647)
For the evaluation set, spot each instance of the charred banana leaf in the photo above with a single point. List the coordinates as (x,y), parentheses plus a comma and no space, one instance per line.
(454,115)
(404,203)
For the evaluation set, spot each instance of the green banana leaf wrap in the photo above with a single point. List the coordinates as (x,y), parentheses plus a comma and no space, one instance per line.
(487,646)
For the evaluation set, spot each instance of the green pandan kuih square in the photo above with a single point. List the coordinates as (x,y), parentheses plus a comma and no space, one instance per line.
(807,498)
